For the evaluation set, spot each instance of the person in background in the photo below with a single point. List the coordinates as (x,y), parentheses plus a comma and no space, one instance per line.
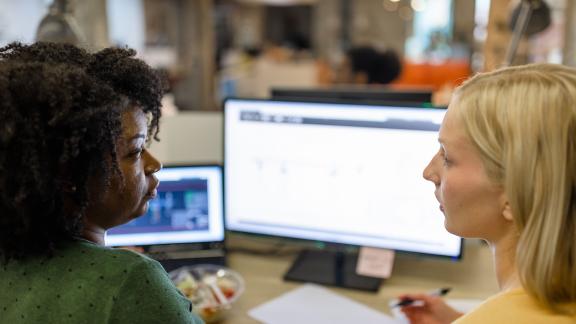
(73,163)
(506,173)
(366,65)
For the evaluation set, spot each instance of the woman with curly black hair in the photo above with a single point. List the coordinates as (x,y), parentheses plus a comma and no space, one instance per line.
(73,163)
(366,65)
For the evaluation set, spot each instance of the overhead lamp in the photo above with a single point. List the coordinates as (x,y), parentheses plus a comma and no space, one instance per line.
(59,25)
(418,5)
(530,17)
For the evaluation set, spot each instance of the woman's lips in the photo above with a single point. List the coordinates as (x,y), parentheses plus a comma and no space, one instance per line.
(441,208)
(152,194)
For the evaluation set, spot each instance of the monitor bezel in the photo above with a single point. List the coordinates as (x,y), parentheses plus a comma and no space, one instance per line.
(337,245)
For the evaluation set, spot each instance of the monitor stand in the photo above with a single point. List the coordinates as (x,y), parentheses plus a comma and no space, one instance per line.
(333,268)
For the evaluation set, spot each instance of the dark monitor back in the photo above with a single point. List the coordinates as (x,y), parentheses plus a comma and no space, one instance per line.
(354,95)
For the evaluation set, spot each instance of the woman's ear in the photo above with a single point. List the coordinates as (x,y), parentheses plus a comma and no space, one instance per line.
(505,203)
(507,212)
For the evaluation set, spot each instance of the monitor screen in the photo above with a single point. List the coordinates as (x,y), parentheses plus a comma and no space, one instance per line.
(187,209)
(351,94)
(340,173)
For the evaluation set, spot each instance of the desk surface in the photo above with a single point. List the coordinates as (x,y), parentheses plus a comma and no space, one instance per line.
(473,277)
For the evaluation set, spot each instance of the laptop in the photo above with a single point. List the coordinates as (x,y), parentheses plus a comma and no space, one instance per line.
(184,224)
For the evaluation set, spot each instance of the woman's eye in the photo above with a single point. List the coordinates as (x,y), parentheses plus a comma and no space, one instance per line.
(445,159)
(137,153)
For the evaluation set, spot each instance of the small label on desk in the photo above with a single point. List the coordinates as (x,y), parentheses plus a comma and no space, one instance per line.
(374,262)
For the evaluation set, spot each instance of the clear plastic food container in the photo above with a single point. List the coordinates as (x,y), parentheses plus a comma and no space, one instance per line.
(212,289)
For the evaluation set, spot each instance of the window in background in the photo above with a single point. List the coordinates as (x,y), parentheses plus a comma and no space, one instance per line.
(144,26)
(126,25)
(432,30)
(19,19)
(481,13)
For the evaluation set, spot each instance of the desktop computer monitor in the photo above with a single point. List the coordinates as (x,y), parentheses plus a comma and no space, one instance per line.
(340,173)
(188,209)
(351,94)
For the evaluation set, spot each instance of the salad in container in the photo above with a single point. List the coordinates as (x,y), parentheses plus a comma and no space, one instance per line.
(212,289)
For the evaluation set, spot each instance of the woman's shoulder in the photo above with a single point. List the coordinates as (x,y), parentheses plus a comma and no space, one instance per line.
(106,259)
(92,262)
(513,306)
(80,255)
(83,247)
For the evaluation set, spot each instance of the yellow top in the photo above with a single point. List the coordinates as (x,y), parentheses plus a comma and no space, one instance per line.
(514,306)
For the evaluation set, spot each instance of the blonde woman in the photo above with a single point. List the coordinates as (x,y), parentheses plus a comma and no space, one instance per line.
(506,173)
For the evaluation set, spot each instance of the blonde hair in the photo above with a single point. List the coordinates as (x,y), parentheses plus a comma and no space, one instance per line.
(523,121)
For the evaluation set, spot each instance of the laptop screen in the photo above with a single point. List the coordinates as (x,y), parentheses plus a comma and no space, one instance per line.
(187,209)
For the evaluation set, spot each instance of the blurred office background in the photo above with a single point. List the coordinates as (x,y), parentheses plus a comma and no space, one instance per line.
(211,49)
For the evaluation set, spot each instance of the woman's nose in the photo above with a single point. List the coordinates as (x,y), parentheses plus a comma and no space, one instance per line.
(152,163)
(430,172)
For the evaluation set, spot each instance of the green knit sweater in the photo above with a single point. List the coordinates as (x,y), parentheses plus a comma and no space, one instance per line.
(87,283)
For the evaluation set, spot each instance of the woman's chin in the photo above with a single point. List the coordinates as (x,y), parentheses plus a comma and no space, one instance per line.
(463,232)
(140,212)
(449,227)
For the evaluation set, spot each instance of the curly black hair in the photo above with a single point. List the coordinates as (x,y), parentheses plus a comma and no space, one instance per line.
(60,118)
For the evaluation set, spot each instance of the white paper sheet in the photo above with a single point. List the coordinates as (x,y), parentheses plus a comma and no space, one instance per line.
(315,304)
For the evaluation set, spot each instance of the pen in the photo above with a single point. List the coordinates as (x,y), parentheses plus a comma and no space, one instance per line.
(438,292)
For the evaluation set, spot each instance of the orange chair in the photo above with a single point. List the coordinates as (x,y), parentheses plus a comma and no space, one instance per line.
(435,76)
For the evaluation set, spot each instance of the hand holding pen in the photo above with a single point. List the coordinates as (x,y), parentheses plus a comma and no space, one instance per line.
(427,308)
(409,301)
